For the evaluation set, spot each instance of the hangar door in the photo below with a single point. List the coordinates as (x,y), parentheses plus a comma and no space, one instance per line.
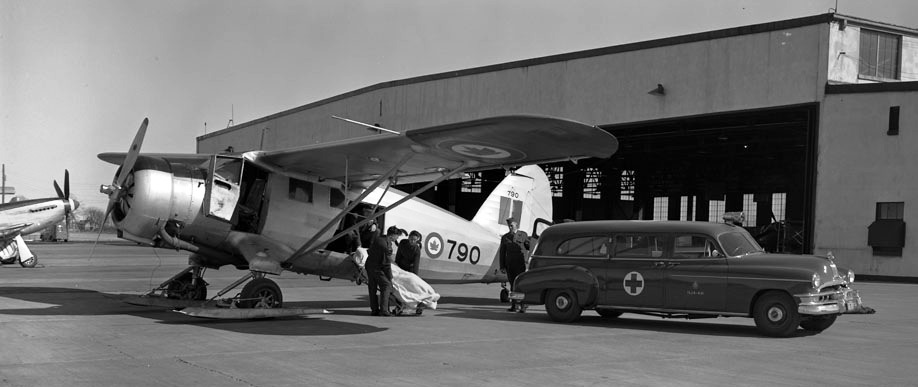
(760,162)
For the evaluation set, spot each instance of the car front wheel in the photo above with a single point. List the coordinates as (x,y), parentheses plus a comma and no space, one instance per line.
(562,305)
(818,323)
(775,314)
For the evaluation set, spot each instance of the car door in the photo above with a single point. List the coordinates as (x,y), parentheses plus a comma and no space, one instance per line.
(592,253)
(695,274)
(634,275)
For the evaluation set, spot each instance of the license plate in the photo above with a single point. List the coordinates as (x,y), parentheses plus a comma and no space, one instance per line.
(850,305)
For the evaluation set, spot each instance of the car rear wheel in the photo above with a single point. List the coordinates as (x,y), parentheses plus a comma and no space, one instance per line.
(562,305)
(818,323)
(775,314)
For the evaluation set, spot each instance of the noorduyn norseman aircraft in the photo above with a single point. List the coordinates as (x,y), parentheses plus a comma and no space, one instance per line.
(269,211)
(29,216)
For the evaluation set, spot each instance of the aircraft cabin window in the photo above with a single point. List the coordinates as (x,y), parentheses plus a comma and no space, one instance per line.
(336,198)
(591,246)
(228,169)
(300,190)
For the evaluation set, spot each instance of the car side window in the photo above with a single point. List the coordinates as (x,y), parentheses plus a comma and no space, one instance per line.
(638,246)
(693,246)
(590,246)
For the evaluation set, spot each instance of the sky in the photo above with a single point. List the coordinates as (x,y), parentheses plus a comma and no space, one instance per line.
(78,77)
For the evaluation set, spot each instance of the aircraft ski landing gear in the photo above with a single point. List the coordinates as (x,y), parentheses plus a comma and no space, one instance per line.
(188,285)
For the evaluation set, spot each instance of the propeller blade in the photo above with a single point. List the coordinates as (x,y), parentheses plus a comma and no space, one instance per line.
(66,185)
(60,194)
(131,157)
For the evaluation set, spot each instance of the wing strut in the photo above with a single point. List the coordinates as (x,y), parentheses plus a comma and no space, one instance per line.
(353,204)
(305,250)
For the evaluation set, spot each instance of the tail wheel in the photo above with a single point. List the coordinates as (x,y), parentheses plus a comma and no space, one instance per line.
(818,323)
(775,314)
(181,288)
(31,262)
(261,293)
(504,295)
(608,313)
(562,305)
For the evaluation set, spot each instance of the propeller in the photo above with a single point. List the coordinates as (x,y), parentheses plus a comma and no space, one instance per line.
(65,197)
(118,190)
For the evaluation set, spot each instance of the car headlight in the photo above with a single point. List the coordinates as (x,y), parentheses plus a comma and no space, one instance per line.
(816,281)
(850,276)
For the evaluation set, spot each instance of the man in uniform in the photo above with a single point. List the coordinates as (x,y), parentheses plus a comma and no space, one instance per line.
(379,271)
(514,247)
(409,252)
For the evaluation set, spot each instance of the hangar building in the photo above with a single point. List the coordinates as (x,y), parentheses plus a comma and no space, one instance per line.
(807,126)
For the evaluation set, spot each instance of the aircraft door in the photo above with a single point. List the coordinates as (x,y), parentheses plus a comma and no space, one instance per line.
(223,180)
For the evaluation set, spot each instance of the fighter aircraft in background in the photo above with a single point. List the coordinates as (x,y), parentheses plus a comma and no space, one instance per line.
(29,216)
(270,211)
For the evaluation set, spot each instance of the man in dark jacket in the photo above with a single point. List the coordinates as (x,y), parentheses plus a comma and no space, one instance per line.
(379,272)
(409,252)
(514,247)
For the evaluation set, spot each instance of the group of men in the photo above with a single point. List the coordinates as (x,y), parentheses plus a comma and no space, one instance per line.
(514,248)
(379,265)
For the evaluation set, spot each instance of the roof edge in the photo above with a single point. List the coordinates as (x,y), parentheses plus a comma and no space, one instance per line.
(854,88)
(643,45)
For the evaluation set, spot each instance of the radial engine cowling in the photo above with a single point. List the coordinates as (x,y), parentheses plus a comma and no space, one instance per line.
(156,191)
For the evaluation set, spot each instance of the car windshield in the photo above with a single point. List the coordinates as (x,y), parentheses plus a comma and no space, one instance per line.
(739,243)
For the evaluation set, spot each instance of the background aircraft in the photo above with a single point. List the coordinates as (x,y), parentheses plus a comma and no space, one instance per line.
(29,216)
(252,210)
(456,250)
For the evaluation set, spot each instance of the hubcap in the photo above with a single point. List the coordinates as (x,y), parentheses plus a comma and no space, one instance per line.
(776,314)
(266,299)
(562,302)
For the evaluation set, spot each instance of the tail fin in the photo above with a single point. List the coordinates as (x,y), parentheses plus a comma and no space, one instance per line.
(524,195)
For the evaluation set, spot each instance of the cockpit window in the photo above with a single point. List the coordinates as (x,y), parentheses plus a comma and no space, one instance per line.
(739,243)
(228,169)
(300,190)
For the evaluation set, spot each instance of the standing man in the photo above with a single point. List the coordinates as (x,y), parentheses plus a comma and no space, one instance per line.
(514,247)
(379,271)
(409,252)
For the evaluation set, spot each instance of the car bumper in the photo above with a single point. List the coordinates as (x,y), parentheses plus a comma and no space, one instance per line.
(830,302)
(517,296)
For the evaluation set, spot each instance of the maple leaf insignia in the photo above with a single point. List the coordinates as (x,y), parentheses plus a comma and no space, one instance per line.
(479,150)
(434,245)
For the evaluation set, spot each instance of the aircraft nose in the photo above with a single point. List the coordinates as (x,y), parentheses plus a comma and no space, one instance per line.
(76,205)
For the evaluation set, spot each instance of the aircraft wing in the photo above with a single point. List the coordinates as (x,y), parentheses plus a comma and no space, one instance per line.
(491,143)
(183,158)
(8,232)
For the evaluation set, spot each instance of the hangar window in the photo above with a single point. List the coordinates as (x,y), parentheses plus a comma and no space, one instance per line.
(555,175)
(471,182)
(749,210)
(716,210)
(300,190)
(591,178)
(661,208)
(778,204)
(687,207)
(886,235)
(879,55)
(627,185)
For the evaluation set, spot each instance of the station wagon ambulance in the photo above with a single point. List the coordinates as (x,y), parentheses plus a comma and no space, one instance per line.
(682,269)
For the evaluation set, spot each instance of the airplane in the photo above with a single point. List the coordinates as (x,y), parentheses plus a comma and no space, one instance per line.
(265,212)
(29,216)
(455,250)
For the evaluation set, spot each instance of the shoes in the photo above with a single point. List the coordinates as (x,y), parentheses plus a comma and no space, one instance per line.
(374,313)
(512,309)
(385,314)
(522,309)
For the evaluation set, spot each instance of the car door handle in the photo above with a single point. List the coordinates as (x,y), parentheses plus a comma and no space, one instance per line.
(672,264)
(659,264)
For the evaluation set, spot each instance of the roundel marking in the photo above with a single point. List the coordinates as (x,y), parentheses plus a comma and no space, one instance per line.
(433,245)
(633,283)
(481,151)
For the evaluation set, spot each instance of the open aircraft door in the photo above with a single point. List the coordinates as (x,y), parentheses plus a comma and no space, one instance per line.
(223,180)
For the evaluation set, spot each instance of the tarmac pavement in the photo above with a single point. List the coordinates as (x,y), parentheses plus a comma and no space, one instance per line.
(63,324)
